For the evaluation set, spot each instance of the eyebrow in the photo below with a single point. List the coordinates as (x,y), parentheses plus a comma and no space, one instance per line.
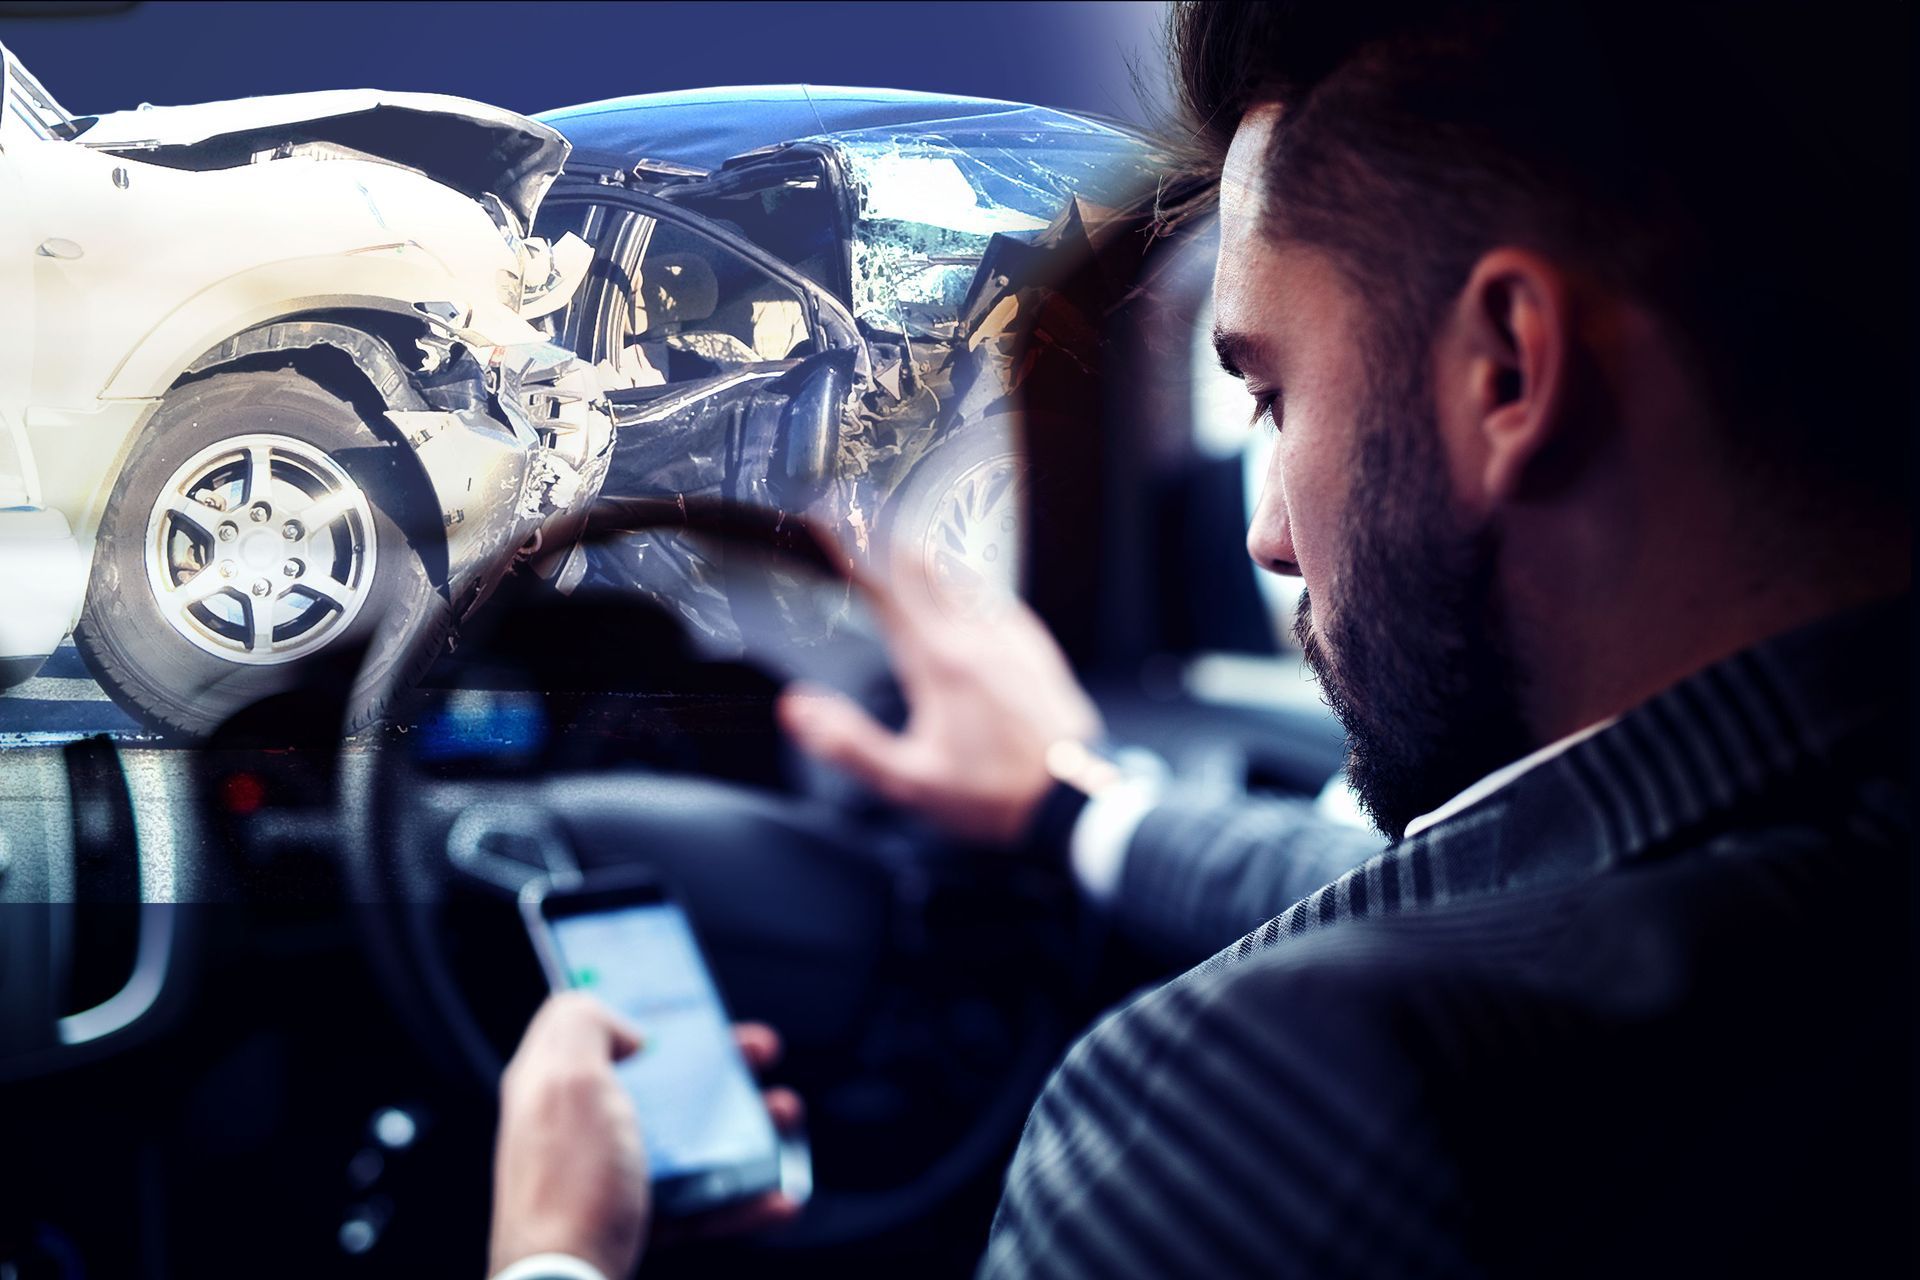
(1237,350)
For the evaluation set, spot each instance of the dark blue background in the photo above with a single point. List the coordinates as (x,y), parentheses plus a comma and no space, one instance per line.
(530,57)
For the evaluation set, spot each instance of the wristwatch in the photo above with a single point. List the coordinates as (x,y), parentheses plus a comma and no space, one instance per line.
(1079,773)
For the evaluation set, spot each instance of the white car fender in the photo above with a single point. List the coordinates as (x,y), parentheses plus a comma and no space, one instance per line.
(378,277)
(78,479)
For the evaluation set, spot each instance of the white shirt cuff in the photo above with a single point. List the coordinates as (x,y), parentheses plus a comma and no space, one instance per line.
(1097,848)
(550,1266)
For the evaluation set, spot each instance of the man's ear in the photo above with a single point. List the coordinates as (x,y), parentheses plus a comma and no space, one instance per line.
(1514,333)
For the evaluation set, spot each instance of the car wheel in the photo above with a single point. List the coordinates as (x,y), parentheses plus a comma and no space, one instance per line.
(957,517)
(255,527)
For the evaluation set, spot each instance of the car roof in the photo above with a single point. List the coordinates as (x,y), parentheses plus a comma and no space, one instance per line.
(702,128)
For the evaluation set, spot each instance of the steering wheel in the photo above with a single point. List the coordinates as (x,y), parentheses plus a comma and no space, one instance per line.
(936,978)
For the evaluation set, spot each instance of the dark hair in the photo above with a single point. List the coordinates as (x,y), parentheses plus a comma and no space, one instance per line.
(1740,167)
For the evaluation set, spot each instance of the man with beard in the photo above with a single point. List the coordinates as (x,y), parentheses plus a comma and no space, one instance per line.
(1581,332)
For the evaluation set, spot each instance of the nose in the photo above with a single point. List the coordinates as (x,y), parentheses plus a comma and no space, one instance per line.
(1270,534)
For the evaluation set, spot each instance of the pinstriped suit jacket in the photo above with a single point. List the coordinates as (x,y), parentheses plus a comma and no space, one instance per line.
(1646,1010)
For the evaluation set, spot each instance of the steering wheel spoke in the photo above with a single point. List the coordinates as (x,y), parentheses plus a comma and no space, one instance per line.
(506,847)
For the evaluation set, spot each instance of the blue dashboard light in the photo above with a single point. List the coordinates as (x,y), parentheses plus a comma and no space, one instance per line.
(483,724)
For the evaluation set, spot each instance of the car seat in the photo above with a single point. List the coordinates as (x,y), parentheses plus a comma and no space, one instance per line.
(674,309)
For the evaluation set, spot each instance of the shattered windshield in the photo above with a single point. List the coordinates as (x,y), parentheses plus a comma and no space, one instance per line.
(927,204)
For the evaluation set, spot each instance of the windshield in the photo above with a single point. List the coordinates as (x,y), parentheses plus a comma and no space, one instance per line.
(33,105)
(929,203)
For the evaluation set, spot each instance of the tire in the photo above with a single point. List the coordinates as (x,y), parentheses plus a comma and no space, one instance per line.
(957,517)
(260,528)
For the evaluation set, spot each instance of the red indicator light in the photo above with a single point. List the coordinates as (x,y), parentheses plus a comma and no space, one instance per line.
(243,793)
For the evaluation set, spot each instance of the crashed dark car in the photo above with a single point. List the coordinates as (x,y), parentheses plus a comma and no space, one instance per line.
(803,299)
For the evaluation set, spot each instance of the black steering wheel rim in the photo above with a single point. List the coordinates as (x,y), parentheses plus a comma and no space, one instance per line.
(398,889)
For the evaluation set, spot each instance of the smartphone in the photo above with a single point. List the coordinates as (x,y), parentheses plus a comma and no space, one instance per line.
(708,1137)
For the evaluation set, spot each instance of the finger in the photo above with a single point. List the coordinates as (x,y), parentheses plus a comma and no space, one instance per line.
(624,1039)
(573,1023)
(904,617)
(614,1035)
(786,1109)
(831,727)
(759,1044)
(919,593)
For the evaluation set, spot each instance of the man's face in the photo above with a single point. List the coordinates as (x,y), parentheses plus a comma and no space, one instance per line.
(1400,618)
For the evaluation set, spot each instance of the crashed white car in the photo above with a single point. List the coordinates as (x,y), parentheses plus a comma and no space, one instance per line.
(270,387)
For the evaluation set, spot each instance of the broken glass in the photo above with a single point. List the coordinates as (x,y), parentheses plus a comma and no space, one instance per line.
(928,203)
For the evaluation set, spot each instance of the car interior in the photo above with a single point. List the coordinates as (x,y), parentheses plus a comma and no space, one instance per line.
(701,302)
(671,305)
(794,219)
(306,1066)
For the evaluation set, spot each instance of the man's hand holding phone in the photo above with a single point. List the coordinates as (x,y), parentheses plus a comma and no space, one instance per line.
(570,1169)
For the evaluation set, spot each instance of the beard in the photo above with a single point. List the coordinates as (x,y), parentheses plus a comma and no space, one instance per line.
(1418,664)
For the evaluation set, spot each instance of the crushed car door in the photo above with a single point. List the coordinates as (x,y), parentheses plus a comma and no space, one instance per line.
(730,374)
(706,343)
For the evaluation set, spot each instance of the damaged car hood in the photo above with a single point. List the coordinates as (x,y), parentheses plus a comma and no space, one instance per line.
(469,146)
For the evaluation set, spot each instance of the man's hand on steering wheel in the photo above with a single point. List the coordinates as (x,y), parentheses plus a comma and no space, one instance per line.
(987,695)
(570,1173)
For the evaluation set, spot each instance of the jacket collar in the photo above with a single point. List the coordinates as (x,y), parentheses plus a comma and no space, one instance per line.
(1721,741)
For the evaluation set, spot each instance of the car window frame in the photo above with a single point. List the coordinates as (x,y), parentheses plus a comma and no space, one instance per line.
(828,319)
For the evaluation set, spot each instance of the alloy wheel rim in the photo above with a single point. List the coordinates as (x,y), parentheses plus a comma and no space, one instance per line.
(971,550)
(260,549)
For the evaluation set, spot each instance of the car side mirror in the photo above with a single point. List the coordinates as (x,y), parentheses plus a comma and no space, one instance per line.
(809,436)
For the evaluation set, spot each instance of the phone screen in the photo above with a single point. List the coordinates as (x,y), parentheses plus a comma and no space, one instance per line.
(706,1130)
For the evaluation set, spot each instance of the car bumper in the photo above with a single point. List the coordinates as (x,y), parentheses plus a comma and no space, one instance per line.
(43,573)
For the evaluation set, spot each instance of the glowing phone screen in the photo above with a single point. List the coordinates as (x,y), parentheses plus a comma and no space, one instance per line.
(699,1108)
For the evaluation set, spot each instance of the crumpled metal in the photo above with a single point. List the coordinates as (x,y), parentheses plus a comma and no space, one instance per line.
(954,243)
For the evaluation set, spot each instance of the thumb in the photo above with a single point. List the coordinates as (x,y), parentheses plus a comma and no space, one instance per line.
(624,1039)
(832,727)
(577,1025)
